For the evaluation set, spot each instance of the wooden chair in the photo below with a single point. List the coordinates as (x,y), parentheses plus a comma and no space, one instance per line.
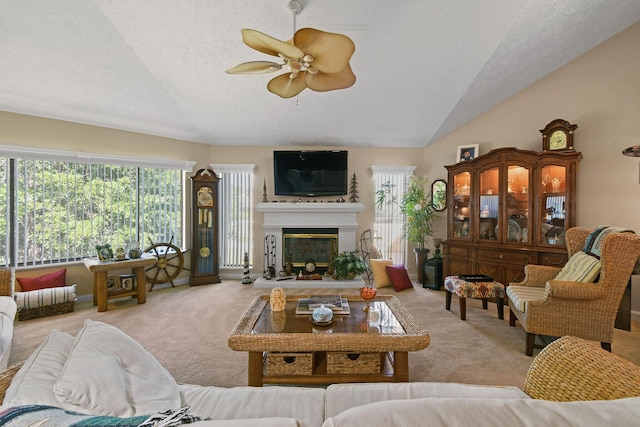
(586,310)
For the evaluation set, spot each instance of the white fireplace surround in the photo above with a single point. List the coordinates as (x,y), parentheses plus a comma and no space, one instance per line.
(279,215)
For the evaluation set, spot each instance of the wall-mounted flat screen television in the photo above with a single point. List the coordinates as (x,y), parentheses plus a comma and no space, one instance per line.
(310,173)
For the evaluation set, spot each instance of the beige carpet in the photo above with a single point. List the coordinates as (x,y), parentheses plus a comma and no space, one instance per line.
(186,329)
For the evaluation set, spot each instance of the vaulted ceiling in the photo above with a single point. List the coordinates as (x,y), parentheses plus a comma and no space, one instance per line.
(423,67)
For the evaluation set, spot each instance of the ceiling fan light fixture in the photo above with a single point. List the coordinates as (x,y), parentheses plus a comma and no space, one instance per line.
(330,54)
(254,67)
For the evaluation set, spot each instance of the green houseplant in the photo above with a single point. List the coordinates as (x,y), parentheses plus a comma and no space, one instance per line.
(416,204)
(347,265)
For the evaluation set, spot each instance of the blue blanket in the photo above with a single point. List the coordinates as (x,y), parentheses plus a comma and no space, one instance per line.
(45,416)
(594,240)
(50,416)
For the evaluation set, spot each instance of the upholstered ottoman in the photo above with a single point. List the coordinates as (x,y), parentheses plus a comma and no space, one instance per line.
(473,289)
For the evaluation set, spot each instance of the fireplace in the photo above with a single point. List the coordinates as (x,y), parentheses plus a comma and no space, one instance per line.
(310,218)
(300,245)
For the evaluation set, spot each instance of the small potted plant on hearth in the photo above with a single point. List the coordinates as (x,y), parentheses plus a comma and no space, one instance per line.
(347,265)
(417,205)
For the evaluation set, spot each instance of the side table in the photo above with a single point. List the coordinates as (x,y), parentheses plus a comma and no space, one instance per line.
(100,270)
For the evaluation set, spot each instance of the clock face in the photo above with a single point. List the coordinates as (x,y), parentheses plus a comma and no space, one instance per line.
(558,140)
(310,266)
(205,198)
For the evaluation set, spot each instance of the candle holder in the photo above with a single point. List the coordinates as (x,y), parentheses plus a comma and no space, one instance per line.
(368,293)
(437,243)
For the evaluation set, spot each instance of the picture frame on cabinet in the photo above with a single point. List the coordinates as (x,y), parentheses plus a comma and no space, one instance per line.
(465,153)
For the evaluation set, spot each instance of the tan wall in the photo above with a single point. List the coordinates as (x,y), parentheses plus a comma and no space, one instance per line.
(600,91)
(22,130)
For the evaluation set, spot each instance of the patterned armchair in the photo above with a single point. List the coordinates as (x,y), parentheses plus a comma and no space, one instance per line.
(545,306)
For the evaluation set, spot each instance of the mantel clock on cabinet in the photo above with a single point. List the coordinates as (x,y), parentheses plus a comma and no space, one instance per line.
(204,249)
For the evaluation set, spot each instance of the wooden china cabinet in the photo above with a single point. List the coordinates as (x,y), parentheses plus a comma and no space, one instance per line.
(509,208)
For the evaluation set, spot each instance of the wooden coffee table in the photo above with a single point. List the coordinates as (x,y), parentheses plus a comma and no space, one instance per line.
(285,348)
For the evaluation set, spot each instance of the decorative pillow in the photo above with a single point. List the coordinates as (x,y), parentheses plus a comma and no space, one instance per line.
(45,297)
(51,280)
(109,373)
(399,277)
(580,268)
(379,271)
(33,383)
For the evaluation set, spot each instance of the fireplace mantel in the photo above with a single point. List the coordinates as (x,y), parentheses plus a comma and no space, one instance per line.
(279,215)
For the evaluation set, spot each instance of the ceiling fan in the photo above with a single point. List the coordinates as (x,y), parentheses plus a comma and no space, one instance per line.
(314,59)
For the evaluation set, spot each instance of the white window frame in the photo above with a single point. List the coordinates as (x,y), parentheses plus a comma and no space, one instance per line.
(389,223)
(236,215)
(14,155)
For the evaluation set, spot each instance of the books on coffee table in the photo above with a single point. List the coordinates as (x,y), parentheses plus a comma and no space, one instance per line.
(336,303)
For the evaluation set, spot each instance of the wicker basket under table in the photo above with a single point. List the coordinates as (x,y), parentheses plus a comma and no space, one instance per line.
(47,310)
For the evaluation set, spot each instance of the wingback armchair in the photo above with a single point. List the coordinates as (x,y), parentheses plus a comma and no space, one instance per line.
(545,306)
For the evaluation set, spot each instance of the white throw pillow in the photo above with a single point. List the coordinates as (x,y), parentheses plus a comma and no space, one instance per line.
(33,383)
(45,297)
(109,373)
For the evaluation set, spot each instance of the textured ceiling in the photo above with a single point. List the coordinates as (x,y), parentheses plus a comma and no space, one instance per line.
(423,67)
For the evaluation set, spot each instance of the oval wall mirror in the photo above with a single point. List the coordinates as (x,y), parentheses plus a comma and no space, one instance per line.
(632,151)
(439,195)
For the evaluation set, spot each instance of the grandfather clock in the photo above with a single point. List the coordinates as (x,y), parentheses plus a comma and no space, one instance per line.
(204,246)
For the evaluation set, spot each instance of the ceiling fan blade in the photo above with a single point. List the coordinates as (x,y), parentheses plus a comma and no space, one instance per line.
(254,67)
(324,82)
(331,52)
(267,44)
(285,87)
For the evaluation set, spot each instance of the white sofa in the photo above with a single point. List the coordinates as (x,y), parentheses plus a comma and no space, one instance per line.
(8,309)
(101,372)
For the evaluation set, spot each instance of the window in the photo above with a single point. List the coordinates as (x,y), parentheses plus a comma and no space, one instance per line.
(236,234)
(57,206)
(388,223)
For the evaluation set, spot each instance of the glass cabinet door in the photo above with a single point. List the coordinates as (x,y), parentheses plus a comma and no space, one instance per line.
(461,204)
(554,197)
(489,203)
(517,204)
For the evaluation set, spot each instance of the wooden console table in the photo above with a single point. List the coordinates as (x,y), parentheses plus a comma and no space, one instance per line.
(100,270)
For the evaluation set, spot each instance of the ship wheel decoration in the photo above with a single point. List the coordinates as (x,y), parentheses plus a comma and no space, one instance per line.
(170,263)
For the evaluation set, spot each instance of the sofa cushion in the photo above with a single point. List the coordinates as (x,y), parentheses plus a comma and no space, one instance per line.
(441,412)
(580,268)
(379,271)
(51,280)
(399,277)
(8,307)
(8,310)
(109,373)
(341,397)
(33,383)
(301,403)
(45,297)
(520,296)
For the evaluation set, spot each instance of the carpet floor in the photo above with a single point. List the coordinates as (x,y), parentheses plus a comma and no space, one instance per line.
(186,329)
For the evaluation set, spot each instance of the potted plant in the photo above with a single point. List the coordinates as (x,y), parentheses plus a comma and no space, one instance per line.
(347,265)
(417,206)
